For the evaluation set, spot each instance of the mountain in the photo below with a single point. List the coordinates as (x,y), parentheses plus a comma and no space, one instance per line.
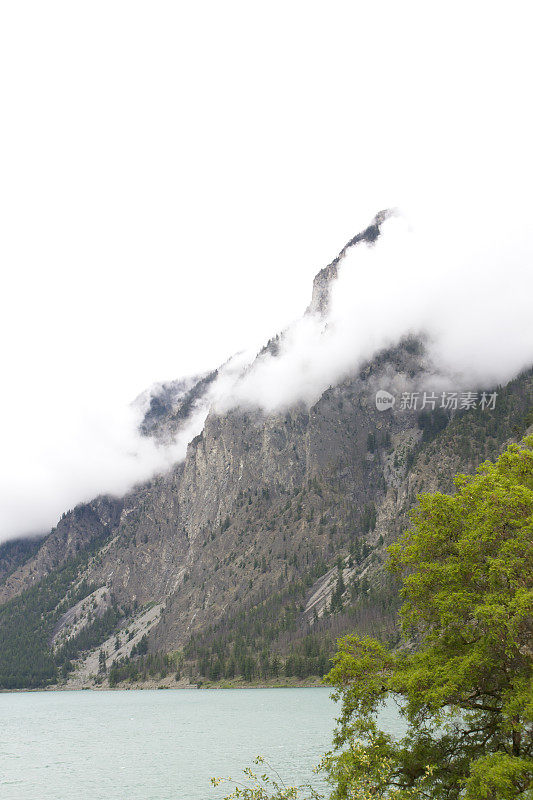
(268,541)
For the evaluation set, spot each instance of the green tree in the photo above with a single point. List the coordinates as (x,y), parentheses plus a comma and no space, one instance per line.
(466,689)
(340,588)
(102,663)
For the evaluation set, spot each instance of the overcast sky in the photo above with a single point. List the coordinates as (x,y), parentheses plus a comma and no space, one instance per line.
(172,175)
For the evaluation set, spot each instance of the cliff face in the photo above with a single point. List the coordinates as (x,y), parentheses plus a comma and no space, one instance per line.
(239,518)
(264,503)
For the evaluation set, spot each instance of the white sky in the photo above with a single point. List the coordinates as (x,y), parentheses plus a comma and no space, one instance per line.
(172,175)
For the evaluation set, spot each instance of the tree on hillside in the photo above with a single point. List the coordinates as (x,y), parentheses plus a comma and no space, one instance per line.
(102,663)
(466,689)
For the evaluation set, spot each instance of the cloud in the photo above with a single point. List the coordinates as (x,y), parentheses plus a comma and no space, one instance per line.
(96,448)
(169,202)
(90,453)
(465,290)
(470,302)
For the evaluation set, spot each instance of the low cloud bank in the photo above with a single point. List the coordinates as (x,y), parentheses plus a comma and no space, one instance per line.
(97,449)
(471,305)
(99,452)
(467,290)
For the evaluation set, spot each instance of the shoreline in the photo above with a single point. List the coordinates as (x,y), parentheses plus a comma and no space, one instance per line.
(174,685)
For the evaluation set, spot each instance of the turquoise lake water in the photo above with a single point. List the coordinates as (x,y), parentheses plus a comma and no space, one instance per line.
(158,745)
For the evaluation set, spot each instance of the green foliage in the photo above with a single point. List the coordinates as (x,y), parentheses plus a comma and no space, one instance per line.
(368,518)
(143,667)
(26,626)
(16,552)
(467,570)
(90,636)
(340,588)
(102,663)
(242,644)
(432,423)
(478,434)
(273,638)
(266,786)
(141,648)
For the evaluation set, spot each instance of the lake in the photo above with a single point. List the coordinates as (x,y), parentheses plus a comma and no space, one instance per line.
(158,745)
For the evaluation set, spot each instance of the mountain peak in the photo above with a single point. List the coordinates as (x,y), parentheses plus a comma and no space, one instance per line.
(323,279)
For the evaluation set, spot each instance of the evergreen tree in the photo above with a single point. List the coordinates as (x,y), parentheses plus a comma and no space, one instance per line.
(102,663)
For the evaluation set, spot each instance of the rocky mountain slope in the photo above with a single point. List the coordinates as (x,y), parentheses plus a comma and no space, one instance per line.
(262,545)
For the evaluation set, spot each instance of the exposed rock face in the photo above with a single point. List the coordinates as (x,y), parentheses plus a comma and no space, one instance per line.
(190,538)
(263,500)
(323,279)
